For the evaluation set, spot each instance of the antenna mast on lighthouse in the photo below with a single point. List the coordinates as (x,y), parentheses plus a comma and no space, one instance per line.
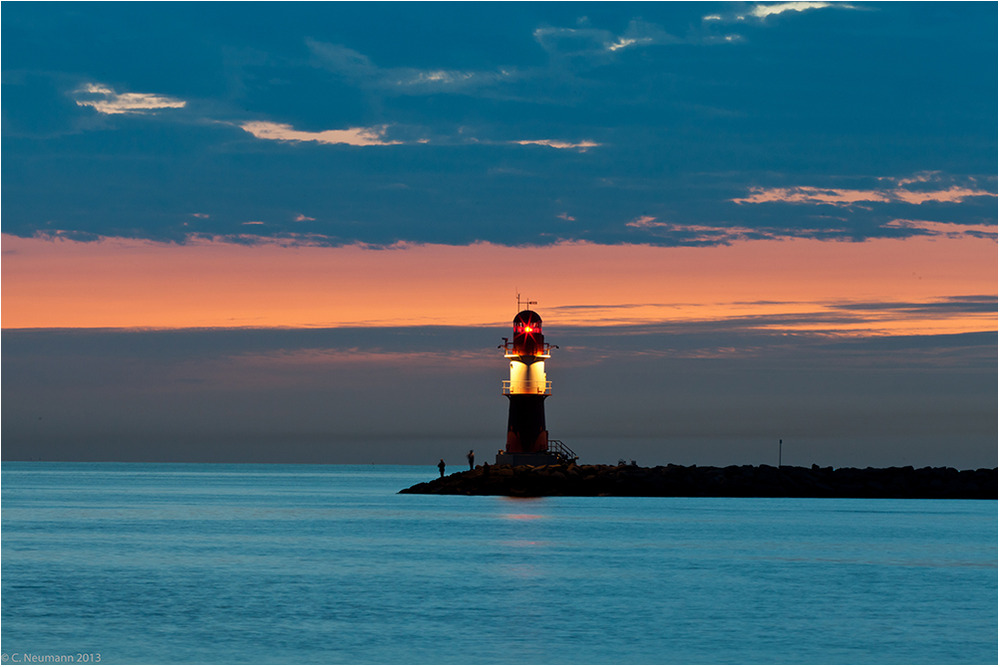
(527,304)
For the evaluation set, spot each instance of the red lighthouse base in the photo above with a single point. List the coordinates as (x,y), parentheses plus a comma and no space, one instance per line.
(526,431)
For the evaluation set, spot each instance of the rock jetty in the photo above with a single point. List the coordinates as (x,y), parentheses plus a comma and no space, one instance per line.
(704,481)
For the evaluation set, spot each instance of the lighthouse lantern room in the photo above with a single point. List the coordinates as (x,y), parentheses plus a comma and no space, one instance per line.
(527,438)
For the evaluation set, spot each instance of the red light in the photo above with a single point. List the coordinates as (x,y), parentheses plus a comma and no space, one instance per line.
(528,329)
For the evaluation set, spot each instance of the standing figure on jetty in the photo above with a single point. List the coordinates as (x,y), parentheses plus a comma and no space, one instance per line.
(472,459)
(441,467)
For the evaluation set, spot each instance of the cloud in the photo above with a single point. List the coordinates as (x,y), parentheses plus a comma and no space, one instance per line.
(415,81)
(570,41)
(621,44)
(376,136)
(303,218)
(763,11)
(290,362)
(954,194)
(555,143)
(911,190)
(975,303)
(407,80)
(949,229)
(624,42)
(836,319)
(353,136)
(437,77)
(811,195)
(646,222)
(683,234)
(105,100)
(341,59)
(562,42)
(845,197)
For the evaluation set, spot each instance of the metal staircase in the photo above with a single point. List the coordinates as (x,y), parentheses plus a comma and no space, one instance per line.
(559,449)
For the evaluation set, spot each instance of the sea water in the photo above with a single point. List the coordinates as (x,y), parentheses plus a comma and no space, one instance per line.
(197,563)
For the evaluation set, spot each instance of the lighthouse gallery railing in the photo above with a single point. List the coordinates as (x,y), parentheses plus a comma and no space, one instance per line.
(511,352)
(526,388)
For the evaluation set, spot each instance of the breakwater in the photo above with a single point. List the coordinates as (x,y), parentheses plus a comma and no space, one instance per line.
(706,481)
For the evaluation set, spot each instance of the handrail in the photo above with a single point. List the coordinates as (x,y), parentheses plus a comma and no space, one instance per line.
(544,353)
(559,449)
(525,388)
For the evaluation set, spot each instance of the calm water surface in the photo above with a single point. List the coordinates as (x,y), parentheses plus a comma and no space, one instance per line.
(191,563)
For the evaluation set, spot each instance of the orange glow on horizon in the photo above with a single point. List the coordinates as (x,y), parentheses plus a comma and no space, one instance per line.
(122,283)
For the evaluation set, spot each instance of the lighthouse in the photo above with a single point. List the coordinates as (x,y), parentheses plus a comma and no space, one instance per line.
(527,437)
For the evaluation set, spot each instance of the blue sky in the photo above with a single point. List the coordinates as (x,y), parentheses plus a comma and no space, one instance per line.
(663,123)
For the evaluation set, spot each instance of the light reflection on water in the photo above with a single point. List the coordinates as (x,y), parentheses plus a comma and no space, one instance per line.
(327,564)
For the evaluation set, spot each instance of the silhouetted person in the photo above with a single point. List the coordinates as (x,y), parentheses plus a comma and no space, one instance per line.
(441,467)
(472,459)
(486,469)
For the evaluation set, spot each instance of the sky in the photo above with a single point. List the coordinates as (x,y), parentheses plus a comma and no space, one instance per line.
(297,231)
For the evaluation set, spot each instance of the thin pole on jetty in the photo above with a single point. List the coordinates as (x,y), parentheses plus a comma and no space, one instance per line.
(779,452)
